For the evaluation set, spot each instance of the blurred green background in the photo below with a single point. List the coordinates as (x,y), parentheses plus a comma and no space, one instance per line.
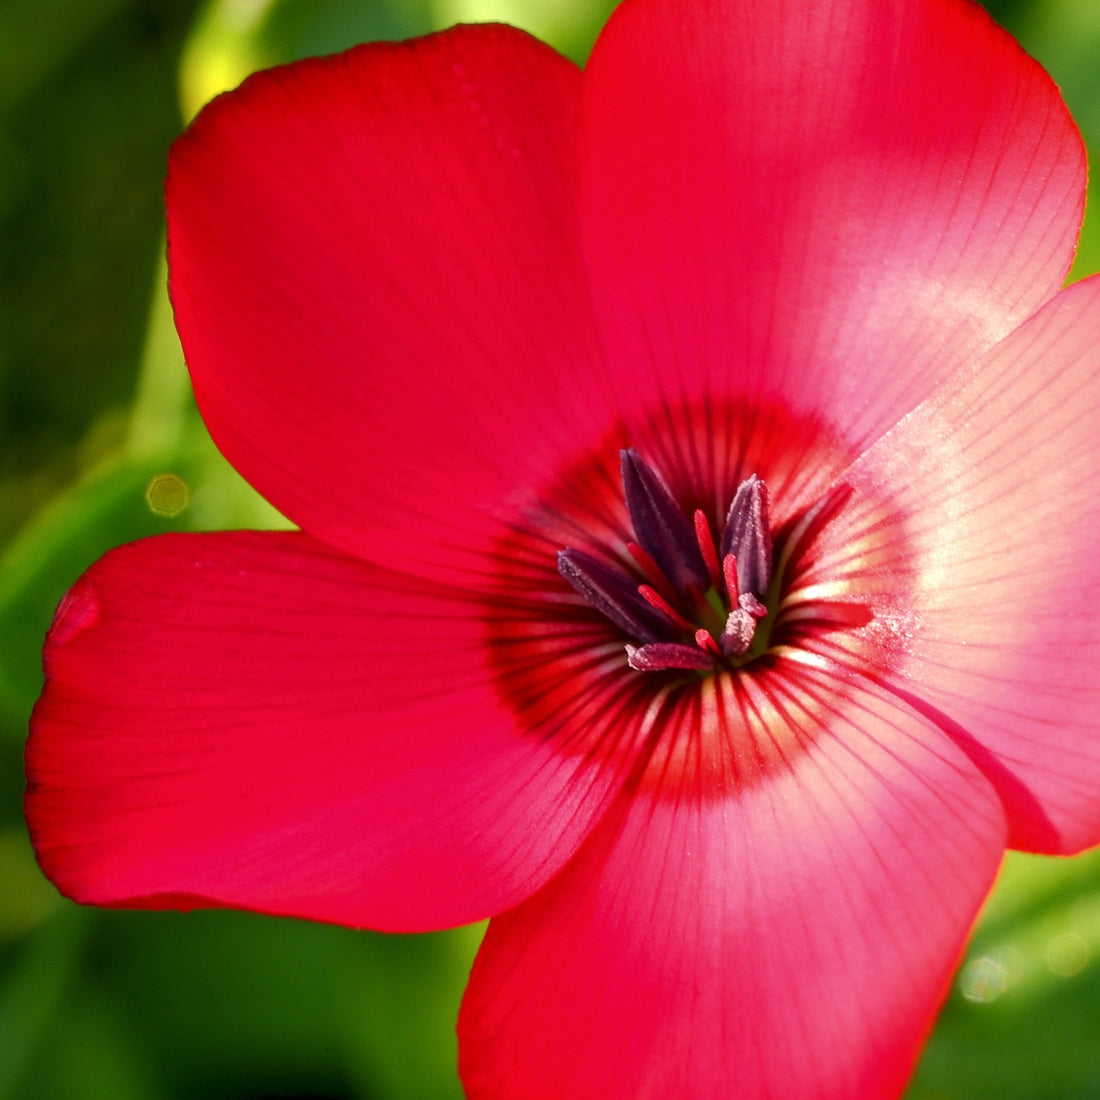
(100,443)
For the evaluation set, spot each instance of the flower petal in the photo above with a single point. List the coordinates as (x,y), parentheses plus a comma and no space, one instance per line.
(822,206)
(376,276)
(774,911)
(254,720)
(995,480)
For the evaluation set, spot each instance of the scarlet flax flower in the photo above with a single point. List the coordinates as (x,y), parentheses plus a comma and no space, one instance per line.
(695,464)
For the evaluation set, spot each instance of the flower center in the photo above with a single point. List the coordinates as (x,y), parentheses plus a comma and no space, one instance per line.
(701,603)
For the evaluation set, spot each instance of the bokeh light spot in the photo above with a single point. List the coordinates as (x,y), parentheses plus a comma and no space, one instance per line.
(984,979)
(167,495)
(1067,954)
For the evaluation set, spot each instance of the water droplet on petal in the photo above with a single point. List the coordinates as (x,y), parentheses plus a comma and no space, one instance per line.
(78,610)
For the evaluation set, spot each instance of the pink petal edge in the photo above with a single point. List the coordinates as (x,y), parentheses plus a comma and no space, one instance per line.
(999,640)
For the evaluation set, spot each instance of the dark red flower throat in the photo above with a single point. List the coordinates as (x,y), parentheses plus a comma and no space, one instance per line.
(703,603)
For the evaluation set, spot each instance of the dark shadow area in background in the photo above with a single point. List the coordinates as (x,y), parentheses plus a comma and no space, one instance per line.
(88,109)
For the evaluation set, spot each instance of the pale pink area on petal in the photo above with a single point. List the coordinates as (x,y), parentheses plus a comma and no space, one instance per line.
(254,720)
(994,482)
(826,206)
(376,276)
(782,927)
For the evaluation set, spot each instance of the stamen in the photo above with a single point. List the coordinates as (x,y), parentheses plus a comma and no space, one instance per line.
(748,602)
(692,590)
(826,614)
(705,642)
(649,570)
(729,572)
(747,535)
(739,632)
(655,599)
(662,528)
(663,655)
(705,539)
(612,593)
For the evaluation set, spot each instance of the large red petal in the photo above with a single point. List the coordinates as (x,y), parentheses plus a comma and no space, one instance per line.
(256,721)
(994,482)
(774,912)
(375,270)
(825,206)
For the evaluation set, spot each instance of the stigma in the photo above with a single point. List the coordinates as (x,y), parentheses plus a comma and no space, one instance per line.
(691,601)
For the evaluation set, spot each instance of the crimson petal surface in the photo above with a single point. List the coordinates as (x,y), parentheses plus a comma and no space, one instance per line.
(376,276)
(254,720)
(774,911)
(828,206)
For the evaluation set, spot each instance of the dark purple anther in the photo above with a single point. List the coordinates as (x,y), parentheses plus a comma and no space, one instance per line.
(663,655)
(748,538)
(662,529)
(612,593)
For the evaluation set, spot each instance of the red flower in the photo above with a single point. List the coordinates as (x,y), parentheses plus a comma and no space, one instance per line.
(428,293)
